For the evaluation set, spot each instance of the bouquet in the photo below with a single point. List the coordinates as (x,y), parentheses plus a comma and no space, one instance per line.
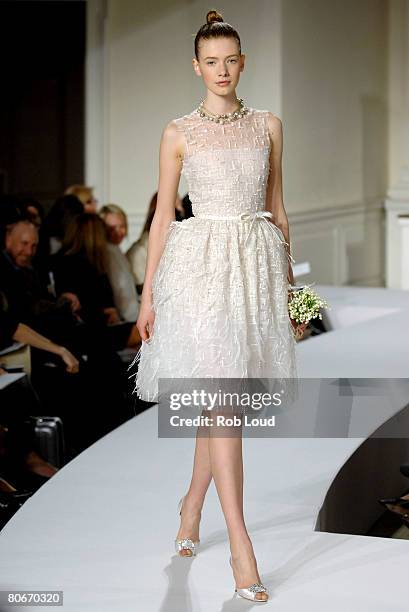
(303,305)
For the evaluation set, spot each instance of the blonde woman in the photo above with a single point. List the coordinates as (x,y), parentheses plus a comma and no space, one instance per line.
(85,195)
(138,251)
(118,268)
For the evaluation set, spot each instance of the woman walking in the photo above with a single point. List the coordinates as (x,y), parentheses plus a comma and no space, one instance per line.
(215,296)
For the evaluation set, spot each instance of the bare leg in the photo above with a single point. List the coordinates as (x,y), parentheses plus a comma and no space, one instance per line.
(194,499)
(226,462)
(221,458)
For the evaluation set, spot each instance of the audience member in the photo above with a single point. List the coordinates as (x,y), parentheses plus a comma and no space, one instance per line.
(118,267)
(85,195)
(68,317)
(80,268)
(102,379)
(56,223)
(138,251)
(20,282)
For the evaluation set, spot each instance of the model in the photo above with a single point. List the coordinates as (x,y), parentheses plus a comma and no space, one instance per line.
(215,295)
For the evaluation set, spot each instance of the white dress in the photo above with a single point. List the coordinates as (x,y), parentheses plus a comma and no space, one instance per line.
(219,291)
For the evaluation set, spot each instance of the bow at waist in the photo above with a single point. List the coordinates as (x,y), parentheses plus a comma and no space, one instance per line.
(247,216)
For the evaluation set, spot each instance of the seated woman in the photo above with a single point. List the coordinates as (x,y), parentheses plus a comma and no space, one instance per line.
(119,269)
(137,252)
(51,234)
(80,268)
(56,223)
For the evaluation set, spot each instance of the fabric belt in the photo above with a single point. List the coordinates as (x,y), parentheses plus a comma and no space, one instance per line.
(246,216)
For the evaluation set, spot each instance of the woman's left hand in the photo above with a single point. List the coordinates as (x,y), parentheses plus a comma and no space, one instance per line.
(299,328)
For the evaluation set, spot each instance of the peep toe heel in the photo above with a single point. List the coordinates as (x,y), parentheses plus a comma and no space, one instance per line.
(251,591)
(186,543)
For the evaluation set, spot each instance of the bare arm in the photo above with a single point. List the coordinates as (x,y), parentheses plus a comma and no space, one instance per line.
(26,335)
(274,196)
(170,166)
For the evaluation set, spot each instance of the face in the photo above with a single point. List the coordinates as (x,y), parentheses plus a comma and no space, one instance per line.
(21,244)
(219,60)
(90,203)
(116,227)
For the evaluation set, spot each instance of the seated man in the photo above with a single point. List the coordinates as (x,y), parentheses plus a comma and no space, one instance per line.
(26,298)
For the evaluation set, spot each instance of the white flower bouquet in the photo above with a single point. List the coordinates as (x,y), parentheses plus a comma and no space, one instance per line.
(303,306)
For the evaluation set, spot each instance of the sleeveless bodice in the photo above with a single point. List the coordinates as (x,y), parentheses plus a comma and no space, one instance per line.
(226,166)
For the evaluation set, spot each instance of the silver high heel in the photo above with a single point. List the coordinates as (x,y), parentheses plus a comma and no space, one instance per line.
(186,543)
(250,592)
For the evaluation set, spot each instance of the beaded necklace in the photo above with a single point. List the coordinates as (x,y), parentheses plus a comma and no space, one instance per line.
(224,117)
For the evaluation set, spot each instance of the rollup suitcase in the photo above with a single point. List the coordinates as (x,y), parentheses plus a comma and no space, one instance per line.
(49,439)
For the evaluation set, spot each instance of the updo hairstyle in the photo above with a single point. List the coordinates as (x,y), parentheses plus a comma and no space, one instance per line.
(215,27)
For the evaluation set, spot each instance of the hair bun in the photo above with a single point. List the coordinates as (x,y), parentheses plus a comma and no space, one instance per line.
(213,16)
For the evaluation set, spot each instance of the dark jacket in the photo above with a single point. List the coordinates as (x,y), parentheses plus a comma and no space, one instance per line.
(29,302)
(8,326)
(76,274)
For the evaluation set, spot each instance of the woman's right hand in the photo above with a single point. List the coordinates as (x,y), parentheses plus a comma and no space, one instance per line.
(70,361)
(145,320)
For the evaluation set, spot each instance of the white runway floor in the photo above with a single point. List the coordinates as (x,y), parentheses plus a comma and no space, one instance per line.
(102,529)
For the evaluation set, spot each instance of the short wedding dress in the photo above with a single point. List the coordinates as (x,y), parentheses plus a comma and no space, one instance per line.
(220,290)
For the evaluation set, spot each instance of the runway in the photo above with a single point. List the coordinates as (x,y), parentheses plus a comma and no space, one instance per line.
(102,529)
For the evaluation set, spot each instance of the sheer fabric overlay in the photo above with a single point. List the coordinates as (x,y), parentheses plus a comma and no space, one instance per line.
(219,292)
